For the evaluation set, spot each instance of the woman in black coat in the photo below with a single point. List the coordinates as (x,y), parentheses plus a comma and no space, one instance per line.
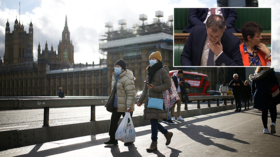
(262,81)
(247,93)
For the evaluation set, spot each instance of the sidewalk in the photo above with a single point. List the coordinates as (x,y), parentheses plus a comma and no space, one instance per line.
(224,133)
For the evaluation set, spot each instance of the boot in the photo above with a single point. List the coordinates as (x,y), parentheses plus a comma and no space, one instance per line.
(168,137)
(153,147)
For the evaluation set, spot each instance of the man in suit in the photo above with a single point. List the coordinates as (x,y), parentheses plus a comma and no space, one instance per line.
(181,86)
(212,45)
(199,16)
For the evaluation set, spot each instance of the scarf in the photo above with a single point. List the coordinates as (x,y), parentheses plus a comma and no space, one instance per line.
(152,70)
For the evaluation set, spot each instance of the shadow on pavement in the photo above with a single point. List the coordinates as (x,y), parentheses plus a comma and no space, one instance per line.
(132,151)
(204,134)
(94,142)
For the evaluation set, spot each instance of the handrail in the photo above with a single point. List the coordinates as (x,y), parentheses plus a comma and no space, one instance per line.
(46,102)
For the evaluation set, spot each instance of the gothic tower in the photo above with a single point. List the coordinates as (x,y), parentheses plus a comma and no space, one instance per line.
(65,47)
(16,43)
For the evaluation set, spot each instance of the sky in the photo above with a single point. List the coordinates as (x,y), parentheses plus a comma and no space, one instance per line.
(86,21)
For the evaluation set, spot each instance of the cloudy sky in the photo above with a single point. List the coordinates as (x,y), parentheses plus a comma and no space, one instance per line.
(86,20)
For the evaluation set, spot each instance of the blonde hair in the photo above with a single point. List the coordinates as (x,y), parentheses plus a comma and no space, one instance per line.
(259,69)
(246,81)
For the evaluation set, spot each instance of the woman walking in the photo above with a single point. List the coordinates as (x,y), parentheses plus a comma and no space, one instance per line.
(247,93)
(262,81)
(123,83)
(157,81)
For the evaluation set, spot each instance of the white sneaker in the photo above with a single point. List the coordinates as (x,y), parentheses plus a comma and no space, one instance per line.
(180,118)
(272,128)
(265,131)
(173,118)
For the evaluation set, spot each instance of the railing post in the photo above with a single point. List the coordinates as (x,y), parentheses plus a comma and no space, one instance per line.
(218,102)
(198,103)
(231,101)
(92,113)
(225,102)
(209,104)
(46,116)
(186,105)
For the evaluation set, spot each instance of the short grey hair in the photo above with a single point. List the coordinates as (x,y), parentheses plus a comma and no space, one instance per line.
(235,75)
(216,21)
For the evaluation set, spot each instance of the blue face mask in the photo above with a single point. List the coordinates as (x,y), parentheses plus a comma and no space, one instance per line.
(117,70)
(152,62)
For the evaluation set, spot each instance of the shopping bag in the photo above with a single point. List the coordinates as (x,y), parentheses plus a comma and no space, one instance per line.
(126,131)
(170,96)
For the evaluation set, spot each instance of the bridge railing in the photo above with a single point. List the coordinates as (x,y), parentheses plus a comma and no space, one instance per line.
(47,102)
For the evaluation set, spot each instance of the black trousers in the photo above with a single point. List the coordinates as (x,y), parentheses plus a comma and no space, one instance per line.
(237,98)
(273,115)
(115,117)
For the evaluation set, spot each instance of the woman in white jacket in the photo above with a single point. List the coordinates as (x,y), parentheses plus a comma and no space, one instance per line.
(123,81)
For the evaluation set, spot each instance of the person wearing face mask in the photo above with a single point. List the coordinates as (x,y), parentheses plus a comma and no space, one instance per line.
(123,82)
(211,45)
(254,53)
(157,81)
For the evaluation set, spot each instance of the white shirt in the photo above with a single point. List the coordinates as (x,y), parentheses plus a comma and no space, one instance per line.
(205,54)
(179,87)
(218,11)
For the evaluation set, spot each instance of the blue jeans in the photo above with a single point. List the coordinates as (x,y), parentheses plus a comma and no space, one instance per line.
(246,101)
(155,126)
(168,114)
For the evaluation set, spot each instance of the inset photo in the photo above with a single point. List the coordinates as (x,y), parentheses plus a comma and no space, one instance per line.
(222,37)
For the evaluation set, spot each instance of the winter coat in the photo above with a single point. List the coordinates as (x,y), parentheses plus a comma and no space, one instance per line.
(125,90)
(237,90)
(156,92)
(247,91)
(260,88)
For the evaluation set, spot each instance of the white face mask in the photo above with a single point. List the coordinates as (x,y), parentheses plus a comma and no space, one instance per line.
(117,70)
(152,62)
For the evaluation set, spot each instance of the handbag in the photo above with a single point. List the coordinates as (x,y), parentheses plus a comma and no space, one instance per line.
(170,96)
(274,91)
(110,103)
(155,103)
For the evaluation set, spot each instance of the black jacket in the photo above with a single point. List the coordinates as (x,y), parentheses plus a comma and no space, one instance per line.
(247,91)
(237,90)
(183,88)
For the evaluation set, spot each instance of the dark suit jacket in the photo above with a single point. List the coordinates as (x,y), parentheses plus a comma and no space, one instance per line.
(192,52)
(197,17)
(183,88)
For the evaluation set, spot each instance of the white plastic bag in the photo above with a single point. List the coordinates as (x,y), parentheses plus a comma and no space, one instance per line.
(126,131)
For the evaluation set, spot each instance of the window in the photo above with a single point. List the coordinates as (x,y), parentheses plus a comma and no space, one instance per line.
(65,54)
(90,92)
(71,80)
(77,92)
(97,92)
(84,80)
(77,80)
(194,77)
(65,80)
(97,79)
(84,92)
(90,79)
(115,56)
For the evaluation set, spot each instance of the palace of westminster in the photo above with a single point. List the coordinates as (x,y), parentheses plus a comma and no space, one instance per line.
(20,75)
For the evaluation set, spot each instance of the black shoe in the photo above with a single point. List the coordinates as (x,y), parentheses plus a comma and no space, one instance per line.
(128,143)
(236,110)
(164,120)
(111,142)
(170,121)
(239,110)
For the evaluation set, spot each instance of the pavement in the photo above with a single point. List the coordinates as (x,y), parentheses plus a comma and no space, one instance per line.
(225,133)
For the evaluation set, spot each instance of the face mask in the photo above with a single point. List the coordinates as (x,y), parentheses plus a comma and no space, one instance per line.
(152,62)
(117,70)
